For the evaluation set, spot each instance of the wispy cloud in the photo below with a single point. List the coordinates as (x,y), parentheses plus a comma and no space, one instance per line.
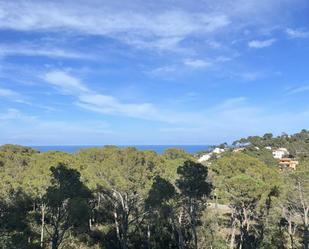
(247,76)
(297,33)
(226,121)
(89,99)
(163,70)
(66,83)
(159,29)
(10,114)
(155,24)
(261,43)
(8,93)
(298,89)
(33,49)
(162,38)
(231,103)
(101,103)
(22,128)
(197,63)
(11,95)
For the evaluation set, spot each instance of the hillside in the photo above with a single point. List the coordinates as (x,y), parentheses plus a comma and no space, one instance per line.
(124,198)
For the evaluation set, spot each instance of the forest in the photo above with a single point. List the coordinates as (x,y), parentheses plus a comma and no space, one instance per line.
(112,198)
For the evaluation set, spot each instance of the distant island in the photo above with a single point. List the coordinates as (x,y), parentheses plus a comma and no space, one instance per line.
(253,193)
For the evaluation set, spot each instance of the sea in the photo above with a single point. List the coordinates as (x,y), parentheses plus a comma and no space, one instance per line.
(157,148)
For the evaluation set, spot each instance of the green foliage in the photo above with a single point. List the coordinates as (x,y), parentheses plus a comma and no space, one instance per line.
(161,191)
(297,144)
(262,154)
(209,233)
(67,204)
(116,198)
(14,227)
(193,180)
(172,154)
(244,190)
(14,159)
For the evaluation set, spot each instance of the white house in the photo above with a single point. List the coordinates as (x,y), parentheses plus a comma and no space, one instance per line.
(239,149)
(204,158)
(280,153)
(218,151)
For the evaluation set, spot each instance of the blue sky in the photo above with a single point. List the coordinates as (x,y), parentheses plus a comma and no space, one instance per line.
(152,72)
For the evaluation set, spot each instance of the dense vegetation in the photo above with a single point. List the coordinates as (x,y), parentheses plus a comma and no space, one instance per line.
(124,198)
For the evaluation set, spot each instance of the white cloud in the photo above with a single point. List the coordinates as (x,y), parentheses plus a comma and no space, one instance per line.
(299,89)
(152,24)
(261,43)
(200,63)
(251,76)
(197,63)
(246,76)
(8,93)
(20,128)
(159,25)
(67,83)
(223,59)
(166,43)
(231,103)
(163,70)
(106,104)
(10,114)
(243,118)
(89,99)
(132,24)
(168,72)
(11,95)
(109,105)
(297,33)
(226,121)
(39,50)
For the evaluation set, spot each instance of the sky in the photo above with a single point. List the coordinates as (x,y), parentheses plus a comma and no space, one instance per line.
(152,72)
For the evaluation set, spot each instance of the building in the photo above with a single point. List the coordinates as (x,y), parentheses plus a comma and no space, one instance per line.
(239,149)
(287,163)
(218,150)
(204,158)
(280,153)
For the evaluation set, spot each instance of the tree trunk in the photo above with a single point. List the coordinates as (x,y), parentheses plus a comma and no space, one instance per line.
(179,232)
(148,236)
(54,243)
(124,219)
(117,225)
(232,242)
(292,241)
(305,208)
(291,234)
(124,239)
(90,223)
(42,224)
(194,236)
(193,224)
(242,234)
(306,229)
(244,227)
(246,220)
(241,239)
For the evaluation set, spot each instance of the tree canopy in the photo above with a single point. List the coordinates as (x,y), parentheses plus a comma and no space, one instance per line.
(115,198)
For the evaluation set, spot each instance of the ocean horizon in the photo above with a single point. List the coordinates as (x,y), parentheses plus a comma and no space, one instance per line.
(157,148)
